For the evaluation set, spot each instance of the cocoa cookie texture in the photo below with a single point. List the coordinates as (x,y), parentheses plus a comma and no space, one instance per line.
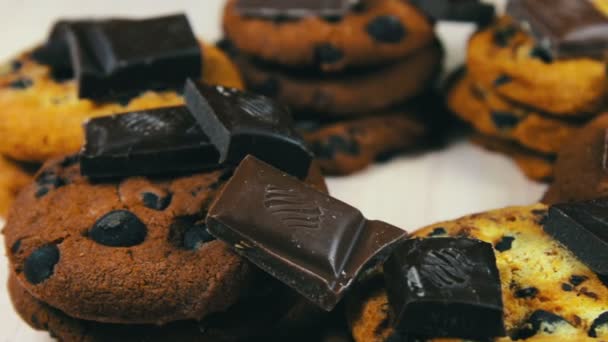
(372,33)
(42,116)
(131,251)
(557,298)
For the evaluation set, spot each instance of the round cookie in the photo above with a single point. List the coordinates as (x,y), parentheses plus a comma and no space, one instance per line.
(243,321)
(128,251)
(348,93)
(345,147)
(507,60)
(372,32)
(534,165)
(554,298)
(41,115)
(493,116)
(581,166)
(12,179)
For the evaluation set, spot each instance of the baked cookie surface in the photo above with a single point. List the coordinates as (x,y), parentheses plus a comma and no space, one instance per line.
(12,179)
(548,294)
(133,251)
(350,93)
(42,116)
(373,32)
(581,168)
(507,60)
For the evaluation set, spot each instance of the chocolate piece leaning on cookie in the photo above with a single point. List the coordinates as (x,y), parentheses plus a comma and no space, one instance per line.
(92,68)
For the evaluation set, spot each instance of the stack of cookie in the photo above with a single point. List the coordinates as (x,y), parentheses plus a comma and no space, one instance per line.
(533,78)
(346,69)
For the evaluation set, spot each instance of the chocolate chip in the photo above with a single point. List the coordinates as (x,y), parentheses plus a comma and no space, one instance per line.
(567,287)
(542,54)
(576,280)
(528,292)
(504,120)
(50,178)
(533,324)
(41,192)
(153,201)
(328,54)
(40,265)
(270,87)
(504,244)
(22,83)
(15,247)
(601,320)
(70,160)
(196,236)
(119,228)
(386,29)
(16,65)
(503,35)
(336,144)
(438,231)
(502,80)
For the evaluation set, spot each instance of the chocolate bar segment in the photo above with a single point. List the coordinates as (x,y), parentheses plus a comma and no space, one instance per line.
(457,10)
(113,58)
(310,241)
(445,287)
(565,28)
(160,141)
(241,123)
(583,228)
(272,9)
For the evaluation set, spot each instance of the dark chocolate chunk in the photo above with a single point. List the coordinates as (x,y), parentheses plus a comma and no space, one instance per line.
(542,54)
(241,123)
(116,57)
(566,28)
(42,191)
(601,320)
(328,54)
(583,228)
(386,29)
(457,10)
(189,232)
(502,80)
(576,280)
(21,83)
(445,287)
(270,87)
(196,236)
(305,238)
(567,287)
(16,65)
(55,53)
(503,35)
(160,141)
(50,178)
(504,120)
(504,244)
(40,265)
(540,319)
(527,292)
(15,247)
(334,145)
(293,8)
(438,231)
(118,228)
(156,202)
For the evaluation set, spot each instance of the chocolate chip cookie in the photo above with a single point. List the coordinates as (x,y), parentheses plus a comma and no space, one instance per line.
(372,32)
(42,115)
(491,115)
(554,298)
(12,179)
(348,93)
(509,61)
(133,251)
(348,146)
(581,169)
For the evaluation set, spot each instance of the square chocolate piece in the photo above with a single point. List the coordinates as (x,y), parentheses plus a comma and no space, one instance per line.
(241,123)
(445,287)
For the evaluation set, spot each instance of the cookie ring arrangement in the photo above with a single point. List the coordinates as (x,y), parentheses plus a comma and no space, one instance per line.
(196,210)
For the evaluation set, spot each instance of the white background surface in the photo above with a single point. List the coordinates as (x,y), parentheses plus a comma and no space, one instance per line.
(409,192)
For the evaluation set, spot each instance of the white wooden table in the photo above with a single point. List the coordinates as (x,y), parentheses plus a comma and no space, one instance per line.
(410,192)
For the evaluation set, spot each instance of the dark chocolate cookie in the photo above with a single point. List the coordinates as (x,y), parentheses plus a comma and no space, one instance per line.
(130,251)
(373,32)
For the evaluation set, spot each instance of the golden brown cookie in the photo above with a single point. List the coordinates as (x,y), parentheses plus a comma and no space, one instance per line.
(352,92)
(493,116)
(581,169)
(12,179)
(548,294)
(534,165)
(41,117)
(507,60)
(345,147)
(373,32)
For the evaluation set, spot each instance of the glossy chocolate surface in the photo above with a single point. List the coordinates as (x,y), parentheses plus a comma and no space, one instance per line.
(272,9)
